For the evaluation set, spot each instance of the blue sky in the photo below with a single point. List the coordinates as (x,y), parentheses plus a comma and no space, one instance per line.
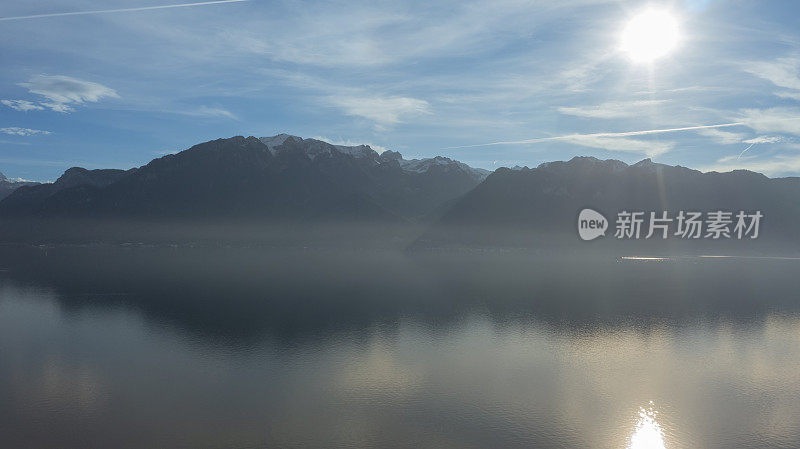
(117,89)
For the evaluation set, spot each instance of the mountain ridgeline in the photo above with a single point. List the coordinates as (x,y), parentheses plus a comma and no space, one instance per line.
(7,186)
(291,180)
(539,207)
(278,178)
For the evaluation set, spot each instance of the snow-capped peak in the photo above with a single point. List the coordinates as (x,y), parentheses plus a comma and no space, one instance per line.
(314,147)
(4,179)
(275,141)
(356,151)
(445,163)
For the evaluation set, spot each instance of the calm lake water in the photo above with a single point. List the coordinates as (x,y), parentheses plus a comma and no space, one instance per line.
(168,347)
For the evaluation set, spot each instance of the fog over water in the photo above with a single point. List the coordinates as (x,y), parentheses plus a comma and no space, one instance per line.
(108,346)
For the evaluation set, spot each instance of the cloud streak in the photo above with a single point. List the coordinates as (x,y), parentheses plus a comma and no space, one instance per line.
(613,109)
(108,11)
(722,137)
(603,135)
(775,120)
(384,111)
(16,131)
(22,105)
(651,149)
(209,112)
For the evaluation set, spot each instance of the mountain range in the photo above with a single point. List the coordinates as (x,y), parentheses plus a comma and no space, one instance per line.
(281,177)
(289,179)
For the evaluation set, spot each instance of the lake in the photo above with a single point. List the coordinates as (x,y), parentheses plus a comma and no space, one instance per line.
(256,347)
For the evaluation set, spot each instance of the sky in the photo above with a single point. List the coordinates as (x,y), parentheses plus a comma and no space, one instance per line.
(116,83)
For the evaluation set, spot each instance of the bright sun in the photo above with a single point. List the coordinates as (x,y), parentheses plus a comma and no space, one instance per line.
(650,35)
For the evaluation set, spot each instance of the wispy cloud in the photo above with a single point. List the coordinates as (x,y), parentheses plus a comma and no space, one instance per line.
(729,138)
(379,108)
(383,33)
(594,135)
(789,94)
(779,120)
(782,72)
(22,105)
(320,39)
(649,148)
(62,93)
(384,111)
(16,131)
(757,140)
(206,111)
(764,139)
(722,137)
(772,120)
(613,109)
(107,11)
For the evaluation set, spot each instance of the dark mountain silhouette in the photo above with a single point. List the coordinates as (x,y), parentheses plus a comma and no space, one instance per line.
(541,204)
(289,179)
(9,185)
(32,199)
(280,177)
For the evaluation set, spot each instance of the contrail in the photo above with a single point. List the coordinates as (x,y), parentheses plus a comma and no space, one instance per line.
(740,154)
(106,11)
(622,134)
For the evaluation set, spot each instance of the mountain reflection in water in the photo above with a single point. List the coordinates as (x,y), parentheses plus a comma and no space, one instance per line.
(163,347)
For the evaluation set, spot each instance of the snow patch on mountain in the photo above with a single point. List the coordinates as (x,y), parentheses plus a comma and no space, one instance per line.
(442,163)
(3,178)
(275,141)
(357,151)
(317,146)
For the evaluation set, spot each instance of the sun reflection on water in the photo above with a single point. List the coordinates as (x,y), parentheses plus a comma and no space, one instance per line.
(648,433)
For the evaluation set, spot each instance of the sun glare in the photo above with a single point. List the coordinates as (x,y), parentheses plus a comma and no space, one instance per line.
(650,35)
(648,434)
